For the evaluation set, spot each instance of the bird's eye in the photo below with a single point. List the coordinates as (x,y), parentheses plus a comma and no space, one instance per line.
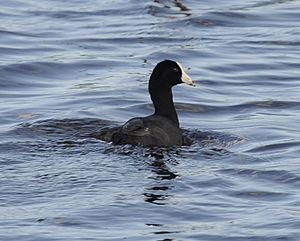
(176,70)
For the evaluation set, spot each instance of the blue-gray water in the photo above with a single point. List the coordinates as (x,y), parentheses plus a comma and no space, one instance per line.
(71,67)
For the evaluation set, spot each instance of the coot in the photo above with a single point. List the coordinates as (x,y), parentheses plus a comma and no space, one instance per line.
(161,128)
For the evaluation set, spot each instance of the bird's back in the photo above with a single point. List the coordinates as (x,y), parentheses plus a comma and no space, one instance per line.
(152,130)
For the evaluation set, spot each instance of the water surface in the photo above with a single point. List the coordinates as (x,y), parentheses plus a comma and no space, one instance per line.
(69,68)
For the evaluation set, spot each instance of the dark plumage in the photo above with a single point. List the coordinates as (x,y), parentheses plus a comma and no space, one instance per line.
(162,127)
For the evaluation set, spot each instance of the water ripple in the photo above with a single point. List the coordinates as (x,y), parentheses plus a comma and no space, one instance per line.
(70,68)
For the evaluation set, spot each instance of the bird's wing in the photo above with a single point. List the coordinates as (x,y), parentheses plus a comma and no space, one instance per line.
(135,127)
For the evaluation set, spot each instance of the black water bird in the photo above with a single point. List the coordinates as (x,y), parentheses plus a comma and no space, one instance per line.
(161,128)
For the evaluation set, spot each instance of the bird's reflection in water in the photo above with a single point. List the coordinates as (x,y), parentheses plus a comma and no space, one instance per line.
(157,192)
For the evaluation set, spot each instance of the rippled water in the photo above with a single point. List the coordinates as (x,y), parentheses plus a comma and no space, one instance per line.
(69,68)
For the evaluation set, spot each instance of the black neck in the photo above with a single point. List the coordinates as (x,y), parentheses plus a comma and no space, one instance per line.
(162,99)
